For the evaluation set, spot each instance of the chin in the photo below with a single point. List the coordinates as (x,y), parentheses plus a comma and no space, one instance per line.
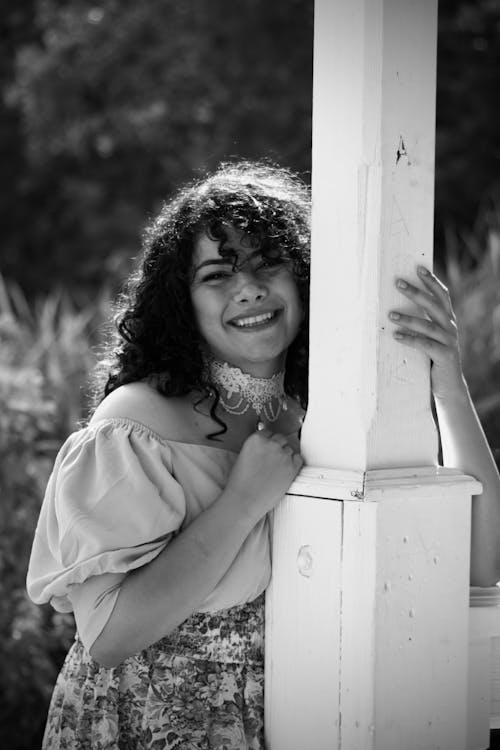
(273,361)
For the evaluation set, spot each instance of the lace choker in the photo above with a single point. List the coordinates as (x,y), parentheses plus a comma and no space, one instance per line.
(266,396)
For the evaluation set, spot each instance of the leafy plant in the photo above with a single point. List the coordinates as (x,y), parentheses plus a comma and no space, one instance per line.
(46,353)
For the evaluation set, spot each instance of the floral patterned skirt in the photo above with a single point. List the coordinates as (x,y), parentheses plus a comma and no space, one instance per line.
(199,688)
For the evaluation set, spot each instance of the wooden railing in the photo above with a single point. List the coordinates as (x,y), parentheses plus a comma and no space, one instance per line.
(484,666)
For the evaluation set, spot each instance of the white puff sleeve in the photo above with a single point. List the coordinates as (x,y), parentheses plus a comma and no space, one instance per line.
(111,505)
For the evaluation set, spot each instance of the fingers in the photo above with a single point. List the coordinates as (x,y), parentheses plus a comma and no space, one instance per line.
(437,333)
(436,287)
(298,460)
(276,437)
(264,431)
(415,326)
(435,349)
(280,439)
(429,304)
(435,301)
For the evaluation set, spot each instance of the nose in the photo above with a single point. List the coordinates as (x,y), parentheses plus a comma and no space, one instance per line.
(249,288)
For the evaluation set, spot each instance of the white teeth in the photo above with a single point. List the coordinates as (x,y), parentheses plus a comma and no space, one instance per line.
(254,320)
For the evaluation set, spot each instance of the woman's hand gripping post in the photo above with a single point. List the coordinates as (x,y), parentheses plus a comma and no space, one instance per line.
(434,331)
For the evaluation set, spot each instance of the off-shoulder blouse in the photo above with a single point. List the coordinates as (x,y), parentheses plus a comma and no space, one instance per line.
(117,495)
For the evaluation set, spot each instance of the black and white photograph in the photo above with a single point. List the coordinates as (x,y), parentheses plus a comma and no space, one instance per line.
(250,375)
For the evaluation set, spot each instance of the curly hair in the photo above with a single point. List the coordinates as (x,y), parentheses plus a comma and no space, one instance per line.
(156,329)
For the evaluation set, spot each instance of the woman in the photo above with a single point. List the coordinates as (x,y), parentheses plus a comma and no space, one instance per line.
(155,525)
(154,528)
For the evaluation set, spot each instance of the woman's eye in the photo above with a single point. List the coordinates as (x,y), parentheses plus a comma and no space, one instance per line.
(271,263)
(216,276)
(266,264)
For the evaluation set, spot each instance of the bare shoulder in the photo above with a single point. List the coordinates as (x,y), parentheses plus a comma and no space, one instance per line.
(168,417)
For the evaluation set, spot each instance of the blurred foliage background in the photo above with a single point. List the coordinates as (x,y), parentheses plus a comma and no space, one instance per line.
(105,110)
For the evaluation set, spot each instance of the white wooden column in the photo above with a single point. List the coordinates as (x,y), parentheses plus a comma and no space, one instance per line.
(373,198)
(367,611)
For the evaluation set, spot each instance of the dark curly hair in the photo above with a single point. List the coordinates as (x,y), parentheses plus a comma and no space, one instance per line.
(157,332)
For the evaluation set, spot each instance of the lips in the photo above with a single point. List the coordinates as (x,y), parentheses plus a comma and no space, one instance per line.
(254,319)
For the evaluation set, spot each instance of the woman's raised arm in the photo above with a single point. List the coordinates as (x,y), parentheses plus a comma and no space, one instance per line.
(463,441)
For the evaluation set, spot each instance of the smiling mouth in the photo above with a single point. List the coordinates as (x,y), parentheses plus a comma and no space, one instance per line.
(256,321)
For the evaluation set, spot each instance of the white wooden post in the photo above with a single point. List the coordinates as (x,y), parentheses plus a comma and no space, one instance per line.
(367,611)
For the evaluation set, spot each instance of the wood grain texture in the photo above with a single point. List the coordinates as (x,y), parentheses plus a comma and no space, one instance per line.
(367,618)
(302,626)
(430,481)
(367,611)
(372,219)
(495,684)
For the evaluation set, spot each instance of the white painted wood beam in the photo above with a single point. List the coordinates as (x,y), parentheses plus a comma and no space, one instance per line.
(405,574)
(302,660)
(372,220)
(367,611)
(367,615)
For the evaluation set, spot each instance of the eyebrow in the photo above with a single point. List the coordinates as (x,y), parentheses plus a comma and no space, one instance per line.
(223,261)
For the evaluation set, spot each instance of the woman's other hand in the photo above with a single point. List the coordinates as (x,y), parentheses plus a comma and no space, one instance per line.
(464,444)
(435,333)
(263,472)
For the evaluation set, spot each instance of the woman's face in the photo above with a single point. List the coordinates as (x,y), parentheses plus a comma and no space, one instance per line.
(229,304)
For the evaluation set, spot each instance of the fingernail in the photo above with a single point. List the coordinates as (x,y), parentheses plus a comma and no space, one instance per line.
(402,284)
(394,315)
(422,270)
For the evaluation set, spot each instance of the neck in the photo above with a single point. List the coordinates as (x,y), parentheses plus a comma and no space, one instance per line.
(240,391)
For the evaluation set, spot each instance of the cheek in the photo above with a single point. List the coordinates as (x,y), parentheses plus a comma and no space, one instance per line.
(205,311)
(297,310)
(197,305)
